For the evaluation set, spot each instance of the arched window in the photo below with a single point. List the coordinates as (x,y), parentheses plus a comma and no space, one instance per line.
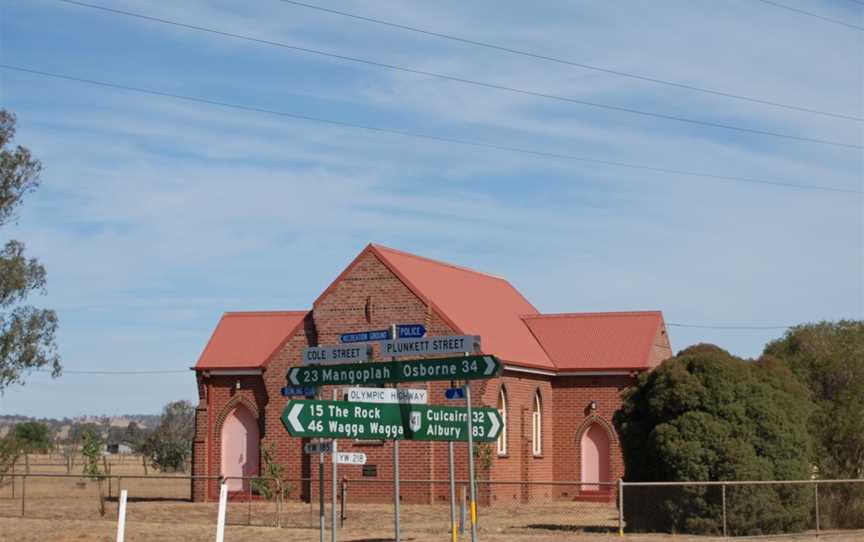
(502,410)
(537,425)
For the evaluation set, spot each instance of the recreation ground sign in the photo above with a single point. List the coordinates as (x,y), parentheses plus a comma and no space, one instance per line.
(341,419)
(457,368)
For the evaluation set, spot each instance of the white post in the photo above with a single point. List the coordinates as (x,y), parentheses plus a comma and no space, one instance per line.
(472,490)
(334,475)
(220,520)
(121,517)
(397,529)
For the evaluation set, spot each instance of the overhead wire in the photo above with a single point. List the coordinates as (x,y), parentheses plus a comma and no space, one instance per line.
(425,136)
(582,65)
(462,80)
(811,14)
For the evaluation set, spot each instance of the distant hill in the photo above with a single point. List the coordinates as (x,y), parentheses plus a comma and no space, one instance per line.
(110,427)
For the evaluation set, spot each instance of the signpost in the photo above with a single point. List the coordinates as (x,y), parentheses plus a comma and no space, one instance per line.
(318,447)
(419,370)
(455,393)
(315,355)
(341,419)
(430,345)
(387,395)
(345,458)
(301,391)
(403,331)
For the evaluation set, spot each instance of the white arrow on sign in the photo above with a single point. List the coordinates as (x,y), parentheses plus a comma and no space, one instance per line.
(345,458)
(495,425)
(292,376)
(490,365)
(293,417)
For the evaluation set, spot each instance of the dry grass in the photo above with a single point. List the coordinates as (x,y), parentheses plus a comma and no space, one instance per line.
(67,510)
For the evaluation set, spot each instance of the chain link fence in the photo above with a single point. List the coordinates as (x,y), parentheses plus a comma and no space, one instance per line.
(365,506)
(745,508)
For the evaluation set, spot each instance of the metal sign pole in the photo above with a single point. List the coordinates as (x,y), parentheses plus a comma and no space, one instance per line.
(472,490)
(320,485)
(396,524)
(454,534)
(333,453)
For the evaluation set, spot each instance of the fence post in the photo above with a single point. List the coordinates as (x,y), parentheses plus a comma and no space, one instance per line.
(23,494)
(27,463)
(816,498)
(620,507)
(723,488)
(249,516)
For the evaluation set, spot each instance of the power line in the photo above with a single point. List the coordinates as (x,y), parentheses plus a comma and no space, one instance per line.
(462,80)
(571,63)
(98,372)
(811,14)
(419,135)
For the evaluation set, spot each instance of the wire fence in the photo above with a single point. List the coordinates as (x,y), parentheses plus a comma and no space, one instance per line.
(364,506)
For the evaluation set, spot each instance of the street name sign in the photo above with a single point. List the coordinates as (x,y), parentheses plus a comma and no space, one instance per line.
(403,331)
(318,447)
(419,370)
(340,419)
(349,458)
(294,391)
(327,355)
(455,393)
(451,344)
(386,395)
(365,336)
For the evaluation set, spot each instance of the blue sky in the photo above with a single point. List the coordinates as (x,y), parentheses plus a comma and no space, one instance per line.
(156,215)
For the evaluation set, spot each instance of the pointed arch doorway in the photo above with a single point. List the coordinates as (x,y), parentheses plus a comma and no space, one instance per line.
(595,457)
(240,442)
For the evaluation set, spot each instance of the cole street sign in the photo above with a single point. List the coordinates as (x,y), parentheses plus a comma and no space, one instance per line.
(452,344)
(403,331)
(388,421)
(318,447)
(386,395)
(335,354)
(419,370)
(455,393)
(348,458)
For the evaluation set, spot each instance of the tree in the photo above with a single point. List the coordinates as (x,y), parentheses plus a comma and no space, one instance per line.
(91,449)
(10,451)
(705,415)
(34,437)
(169,446)
(27,334)
(828,358)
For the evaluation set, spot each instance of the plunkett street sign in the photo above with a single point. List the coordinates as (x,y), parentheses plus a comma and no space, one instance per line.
(455,393)
(335,354)
(293,391)
(451,344)
(386,395)
(419,370)
(340,419)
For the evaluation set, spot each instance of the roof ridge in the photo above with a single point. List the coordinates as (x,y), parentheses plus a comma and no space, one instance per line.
(265,313)
(591,314)
(437,262)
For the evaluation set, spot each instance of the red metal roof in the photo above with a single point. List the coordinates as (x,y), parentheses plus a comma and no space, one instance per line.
(597,341)
(246,340)
(475,303)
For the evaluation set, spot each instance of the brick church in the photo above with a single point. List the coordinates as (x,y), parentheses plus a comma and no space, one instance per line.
(561,383)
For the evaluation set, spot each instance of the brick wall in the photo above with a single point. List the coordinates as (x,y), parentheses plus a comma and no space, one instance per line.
(369,296)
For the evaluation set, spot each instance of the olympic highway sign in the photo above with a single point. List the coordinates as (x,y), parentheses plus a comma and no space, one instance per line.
(420,370)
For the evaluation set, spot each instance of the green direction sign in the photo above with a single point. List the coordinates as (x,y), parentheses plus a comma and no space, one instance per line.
(418,370)
(341,419)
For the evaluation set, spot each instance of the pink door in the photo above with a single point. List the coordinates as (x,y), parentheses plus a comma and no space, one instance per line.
(595,457)
(239,448)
